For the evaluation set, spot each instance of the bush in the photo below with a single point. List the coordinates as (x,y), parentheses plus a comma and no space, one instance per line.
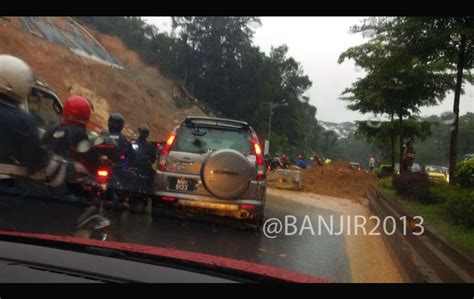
(440,191)
(384,171)
(385,182)
(413,185)
(459,206)
(465,173)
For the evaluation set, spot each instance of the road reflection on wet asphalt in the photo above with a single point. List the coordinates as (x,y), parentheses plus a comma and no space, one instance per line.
(320,255)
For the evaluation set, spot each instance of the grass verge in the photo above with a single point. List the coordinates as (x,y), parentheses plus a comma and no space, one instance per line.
(435,216)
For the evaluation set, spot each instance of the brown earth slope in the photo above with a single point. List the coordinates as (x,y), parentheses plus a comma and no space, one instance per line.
(141,93)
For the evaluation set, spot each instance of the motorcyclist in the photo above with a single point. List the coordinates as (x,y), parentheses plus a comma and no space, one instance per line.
(276,161)
(70,140)
(284,161)
(122,155)
(21,151)
(299,162)
(145,155)
(310,162)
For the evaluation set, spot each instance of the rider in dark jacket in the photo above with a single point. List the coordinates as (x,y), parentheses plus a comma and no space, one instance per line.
(69,139)
(145,155)
(122,155)
(20,143)
(124,151)
(21,152)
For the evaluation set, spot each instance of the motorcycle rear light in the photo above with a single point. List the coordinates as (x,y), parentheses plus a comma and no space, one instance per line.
(102,173)
(168,198)
(260,177)
(105,146)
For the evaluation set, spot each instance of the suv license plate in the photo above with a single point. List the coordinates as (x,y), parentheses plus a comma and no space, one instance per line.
(182,184)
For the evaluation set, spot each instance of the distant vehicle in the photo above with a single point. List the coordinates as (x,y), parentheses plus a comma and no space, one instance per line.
(384,170)
(212,167)
(416,168)
(355,166)
(436,173)
(468,156)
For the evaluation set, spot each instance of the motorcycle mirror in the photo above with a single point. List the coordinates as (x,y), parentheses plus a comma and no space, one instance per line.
(83,146)
(58,134)
(98,141)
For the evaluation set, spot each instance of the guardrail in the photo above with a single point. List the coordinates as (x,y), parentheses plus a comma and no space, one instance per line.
(420,258)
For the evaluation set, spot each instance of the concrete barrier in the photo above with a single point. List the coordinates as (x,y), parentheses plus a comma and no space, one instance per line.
(425,258)
(289,179)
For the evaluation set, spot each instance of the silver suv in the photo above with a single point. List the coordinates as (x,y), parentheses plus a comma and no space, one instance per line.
(211,167)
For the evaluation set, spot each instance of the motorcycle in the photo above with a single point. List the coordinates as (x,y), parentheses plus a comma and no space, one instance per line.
(124,186)
(142,181)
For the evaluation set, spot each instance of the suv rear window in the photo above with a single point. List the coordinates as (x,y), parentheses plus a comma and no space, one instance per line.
(203,139)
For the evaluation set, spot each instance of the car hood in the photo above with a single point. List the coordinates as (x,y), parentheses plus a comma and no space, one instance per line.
(208,262)
(435,174)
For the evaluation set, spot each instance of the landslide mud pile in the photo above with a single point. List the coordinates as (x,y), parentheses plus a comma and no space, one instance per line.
(337,179)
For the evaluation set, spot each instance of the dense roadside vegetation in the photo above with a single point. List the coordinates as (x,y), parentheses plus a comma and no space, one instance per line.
(216,61)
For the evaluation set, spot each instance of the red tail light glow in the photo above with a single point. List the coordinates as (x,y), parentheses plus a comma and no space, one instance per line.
(168,198)
(102,173)
(247,206)
(166,150)
(260,162)
(258,152)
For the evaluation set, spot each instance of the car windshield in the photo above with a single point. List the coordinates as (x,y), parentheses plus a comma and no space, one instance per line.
(204,140)
(242,148)
(433,169)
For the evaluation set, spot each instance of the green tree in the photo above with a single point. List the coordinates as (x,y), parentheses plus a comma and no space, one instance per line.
(214,58)
(446,42)
(396,83)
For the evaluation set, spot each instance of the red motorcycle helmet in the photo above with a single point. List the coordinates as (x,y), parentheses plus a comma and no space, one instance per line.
(77,109)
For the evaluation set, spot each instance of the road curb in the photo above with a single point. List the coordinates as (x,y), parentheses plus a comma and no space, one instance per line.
(424,258)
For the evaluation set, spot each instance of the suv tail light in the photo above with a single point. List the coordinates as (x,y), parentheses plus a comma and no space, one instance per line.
(166,149)
(257,149)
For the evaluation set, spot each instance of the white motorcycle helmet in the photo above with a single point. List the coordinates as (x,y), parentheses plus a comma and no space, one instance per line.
(16,81)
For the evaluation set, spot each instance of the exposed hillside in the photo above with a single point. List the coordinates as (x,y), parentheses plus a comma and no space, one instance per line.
(141,93)
(343,130)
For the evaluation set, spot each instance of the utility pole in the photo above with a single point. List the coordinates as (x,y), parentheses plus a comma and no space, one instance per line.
(273,106)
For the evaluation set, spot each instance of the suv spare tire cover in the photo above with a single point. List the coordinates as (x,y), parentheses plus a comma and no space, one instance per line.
(226,173)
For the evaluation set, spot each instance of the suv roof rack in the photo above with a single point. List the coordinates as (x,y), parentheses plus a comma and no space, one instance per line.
(217,121)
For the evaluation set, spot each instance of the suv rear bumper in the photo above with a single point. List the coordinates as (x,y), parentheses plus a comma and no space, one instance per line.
(208,199)
(207,208)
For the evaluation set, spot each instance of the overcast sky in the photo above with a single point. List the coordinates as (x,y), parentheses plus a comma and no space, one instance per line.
(317,42)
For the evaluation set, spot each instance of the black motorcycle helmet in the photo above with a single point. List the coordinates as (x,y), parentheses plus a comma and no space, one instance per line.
(116,121)
(143,132)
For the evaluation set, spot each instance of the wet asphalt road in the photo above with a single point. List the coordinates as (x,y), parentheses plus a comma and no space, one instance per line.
(323,256)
